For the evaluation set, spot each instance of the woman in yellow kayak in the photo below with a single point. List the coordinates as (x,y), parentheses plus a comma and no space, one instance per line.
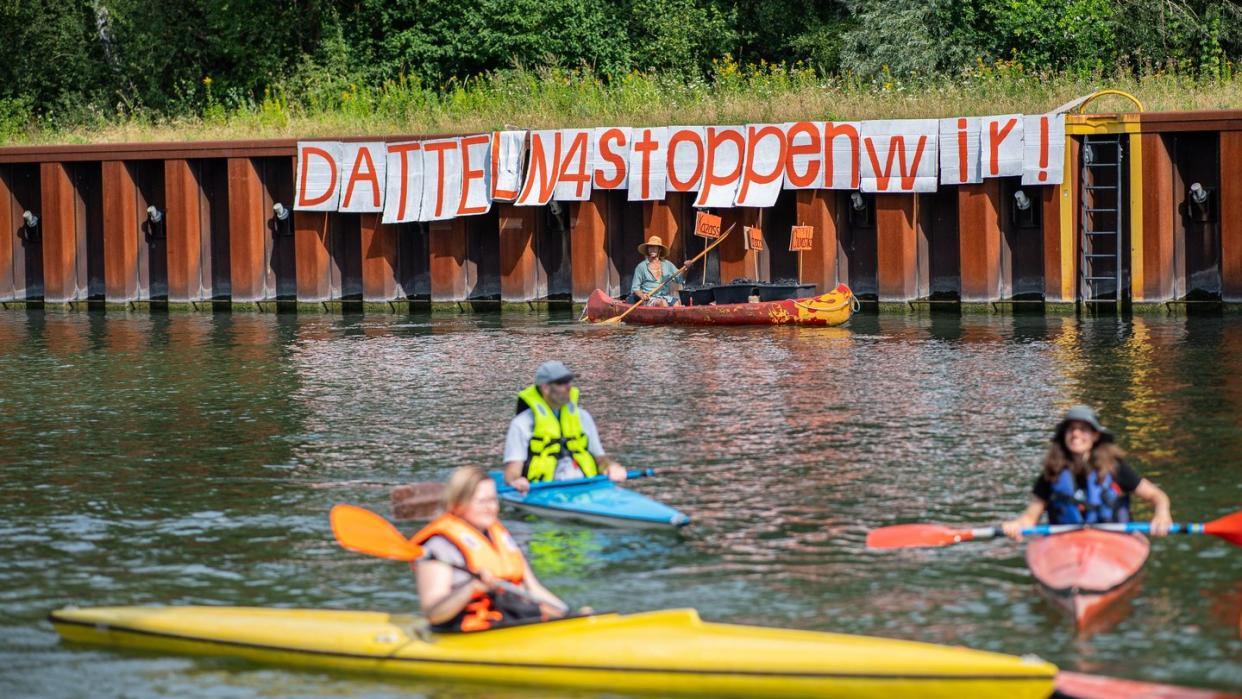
(499,588)
(1086,480)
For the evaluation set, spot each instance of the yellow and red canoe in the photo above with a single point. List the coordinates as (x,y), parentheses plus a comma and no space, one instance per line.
(832,308)
(663,652)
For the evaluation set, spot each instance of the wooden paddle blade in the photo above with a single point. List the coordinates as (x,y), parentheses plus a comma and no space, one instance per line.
(1228,528)
(417,500)
(416,509)
(364,531)
(902,536)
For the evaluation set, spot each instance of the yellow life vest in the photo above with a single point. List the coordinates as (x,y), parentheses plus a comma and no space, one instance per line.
(496,553)
(551,435)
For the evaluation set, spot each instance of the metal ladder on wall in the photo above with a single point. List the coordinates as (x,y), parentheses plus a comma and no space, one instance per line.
(1101,276)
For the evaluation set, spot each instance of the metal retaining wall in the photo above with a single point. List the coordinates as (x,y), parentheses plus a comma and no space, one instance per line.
(215,240)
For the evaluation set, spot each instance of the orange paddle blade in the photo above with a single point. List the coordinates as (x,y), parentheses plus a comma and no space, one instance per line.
(1228,528)
(902,536)
(364,531)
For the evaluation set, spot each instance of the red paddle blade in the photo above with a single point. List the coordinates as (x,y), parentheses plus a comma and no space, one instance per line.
(902,536)
(364,531)
(1228,528)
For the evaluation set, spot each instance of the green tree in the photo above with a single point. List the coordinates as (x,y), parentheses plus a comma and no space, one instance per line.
(679,36)
(164,50)
(1067,34)
(790,31)
(49,55)
(436,40)
(1193,35)
(915,37)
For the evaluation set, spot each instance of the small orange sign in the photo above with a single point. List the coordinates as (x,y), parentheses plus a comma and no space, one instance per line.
(754,238)
(707,225)
(801,238)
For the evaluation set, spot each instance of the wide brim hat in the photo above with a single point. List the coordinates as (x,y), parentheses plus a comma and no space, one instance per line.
(1082,413)
(653,240)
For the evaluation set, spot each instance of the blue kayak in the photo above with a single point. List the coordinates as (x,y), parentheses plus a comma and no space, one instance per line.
(596,500)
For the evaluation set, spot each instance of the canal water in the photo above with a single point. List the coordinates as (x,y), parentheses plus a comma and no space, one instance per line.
(192,459)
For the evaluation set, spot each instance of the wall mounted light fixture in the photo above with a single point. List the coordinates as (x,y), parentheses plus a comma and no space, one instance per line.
(856,201)
(1022,201)
(29,231)
(1198,194)
(280,223)
(154,227)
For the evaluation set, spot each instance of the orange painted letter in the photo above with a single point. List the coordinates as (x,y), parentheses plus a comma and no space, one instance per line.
(611,156)
(307,152)
(812,166)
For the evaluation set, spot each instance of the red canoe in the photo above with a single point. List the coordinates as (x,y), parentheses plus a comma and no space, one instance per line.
(1086,571)
(1072,685)
(832,308)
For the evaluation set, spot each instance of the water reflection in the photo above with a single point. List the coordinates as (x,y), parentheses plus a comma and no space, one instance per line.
(191,458)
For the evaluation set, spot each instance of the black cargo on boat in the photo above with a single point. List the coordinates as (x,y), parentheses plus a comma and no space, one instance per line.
(697,296)
(741,290)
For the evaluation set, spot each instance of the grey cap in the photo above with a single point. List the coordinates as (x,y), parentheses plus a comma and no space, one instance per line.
(1082,413)
(552,371)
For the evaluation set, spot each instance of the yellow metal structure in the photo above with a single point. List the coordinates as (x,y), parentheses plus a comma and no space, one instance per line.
(1082,106)
(662,652)
(1086,125)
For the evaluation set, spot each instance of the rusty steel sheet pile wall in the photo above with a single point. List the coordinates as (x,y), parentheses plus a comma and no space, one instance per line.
(214,224)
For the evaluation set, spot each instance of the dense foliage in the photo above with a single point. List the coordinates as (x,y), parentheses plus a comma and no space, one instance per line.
(74,61)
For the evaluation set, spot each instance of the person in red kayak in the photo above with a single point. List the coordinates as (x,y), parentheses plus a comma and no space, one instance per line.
(551,438)
(473,576)
(1086,480)
(651,272)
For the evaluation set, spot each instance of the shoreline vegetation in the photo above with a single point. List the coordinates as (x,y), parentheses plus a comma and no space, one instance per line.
(112,71)
(320,106)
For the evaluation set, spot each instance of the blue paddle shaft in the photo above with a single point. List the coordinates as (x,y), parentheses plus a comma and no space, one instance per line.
(1128,527)
(637,473)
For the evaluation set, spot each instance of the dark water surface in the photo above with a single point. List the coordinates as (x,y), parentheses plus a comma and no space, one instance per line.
(192,459)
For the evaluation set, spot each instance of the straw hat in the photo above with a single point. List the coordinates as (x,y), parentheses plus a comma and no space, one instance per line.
(653,240)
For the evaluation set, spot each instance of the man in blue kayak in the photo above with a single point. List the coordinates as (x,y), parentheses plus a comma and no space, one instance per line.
(552,438)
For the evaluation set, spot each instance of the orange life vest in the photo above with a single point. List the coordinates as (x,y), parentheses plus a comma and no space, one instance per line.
(498,555)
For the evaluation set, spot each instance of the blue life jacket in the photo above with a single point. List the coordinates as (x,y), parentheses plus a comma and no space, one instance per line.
(1102,502)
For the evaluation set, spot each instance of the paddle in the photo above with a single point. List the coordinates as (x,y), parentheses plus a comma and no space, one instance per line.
(898,536)
(362,531)
(422,500)
(617,318)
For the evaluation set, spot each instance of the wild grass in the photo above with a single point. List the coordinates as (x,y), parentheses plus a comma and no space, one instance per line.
(323,105)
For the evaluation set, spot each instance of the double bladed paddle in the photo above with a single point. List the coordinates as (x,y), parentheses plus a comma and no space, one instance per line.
(696,258)
(901,536)
(422,500)
(362,531)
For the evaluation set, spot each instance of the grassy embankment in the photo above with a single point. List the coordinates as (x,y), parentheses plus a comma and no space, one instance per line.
(318,106)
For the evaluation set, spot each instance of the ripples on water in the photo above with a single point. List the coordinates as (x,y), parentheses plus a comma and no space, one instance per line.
(191,459)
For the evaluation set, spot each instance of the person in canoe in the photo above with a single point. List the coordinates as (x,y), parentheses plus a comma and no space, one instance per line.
(500,587)
(651,272)
(1086,480)
(552,438)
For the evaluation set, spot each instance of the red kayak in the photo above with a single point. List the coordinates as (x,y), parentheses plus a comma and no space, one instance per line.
(1088,570)
(1072,685)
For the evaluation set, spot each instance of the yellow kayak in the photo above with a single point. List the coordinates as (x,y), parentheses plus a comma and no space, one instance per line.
(663,652)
